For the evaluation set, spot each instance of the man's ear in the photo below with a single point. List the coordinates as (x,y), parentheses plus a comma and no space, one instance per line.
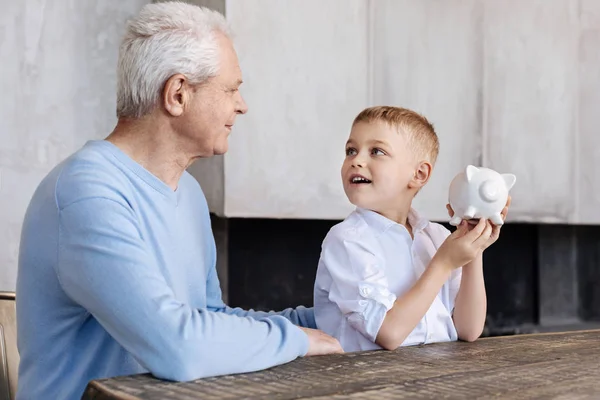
(422,174)
(176,95)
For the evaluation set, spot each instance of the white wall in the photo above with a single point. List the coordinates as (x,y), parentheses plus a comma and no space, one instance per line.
(531,104)
(304,66)
(432,62)
(57,80)
(588,118)
(512,85)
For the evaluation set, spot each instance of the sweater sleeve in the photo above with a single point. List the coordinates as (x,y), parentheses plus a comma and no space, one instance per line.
(104,266)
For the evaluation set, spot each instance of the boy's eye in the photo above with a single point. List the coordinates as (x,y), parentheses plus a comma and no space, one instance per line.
(377,152)
(350,151)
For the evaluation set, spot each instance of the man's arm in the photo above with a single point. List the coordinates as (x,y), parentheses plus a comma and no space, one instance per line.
(300,316)
(471,304)
(103,265)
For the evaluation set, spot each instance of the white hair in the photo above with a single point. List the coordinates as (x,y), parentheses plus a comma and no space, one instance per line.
(163,40)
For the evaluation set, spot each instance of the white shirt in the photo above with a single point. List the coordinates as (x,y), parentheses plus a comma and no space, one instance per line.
(366,262)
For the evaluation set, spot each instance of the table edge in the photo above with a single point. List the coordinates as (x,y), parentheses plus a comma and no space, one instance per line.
(100,392)
(520,335)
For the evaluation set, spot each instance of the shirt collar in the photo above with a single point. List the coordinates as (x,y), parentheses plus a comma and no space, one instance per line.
(380,224)
(376,221)
(417,222)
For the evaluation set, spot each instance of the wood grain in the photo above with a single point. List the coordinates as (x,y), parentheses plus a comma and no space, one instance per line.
(556,365)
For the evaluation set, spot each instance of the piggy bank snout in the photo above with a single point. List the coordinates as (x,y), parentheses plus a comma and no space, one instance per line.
(490,191)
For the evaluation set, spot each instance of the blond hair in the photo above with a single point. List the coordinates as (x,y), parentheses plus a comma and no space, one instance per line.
(419,132)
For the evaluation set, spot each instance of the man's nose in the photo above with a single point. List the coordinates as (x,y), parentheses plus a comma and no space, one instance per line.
(241,107)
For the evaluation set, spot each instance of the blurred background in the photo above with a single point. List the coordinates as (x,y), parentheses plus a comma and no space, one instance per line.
(513,85)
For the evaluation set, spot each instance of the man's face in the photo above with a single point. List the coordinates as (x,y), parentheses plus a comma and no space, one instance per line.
(378,166)
(215,104)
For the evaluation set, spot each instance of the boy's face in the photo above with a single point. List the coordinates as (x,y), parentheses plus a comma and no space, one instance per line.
(379,167)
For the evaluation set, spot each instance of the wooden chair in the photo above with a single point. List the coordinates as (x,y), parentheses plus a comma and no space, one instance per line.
(9,355)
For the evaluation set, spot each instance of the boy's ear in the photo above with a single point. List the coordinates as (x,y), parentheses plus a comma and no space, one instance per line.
(422,174)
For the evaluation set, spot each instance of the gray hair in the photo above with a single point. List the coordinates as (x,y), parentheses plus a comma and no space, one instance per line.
(163,40)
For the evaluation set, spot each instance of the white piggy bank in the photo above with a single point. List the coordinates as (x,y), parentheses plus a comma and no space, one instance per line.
(479,193)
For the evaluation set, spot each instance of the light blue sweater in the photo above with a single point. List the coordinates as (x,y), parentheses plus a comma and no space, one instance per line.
(117,276)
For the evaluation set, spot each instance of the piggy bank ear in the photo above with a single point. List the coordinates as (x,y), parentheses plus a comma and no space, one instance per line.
(510,180)
(471,171)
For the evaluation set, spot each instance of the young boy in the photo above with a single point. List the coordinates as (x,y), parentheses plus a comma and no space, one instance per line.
(387,276)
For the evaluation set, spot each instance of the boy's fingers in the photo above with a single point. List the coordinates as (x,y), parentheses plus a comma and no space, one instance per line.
(485,235)
(496,230)
(504,212)
(461,229)
(477,230)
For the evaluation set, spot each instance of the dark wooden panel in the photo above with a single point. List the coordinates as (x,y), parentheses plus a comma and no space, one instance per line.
(510,270)
(588,263)
(273,263)
(558,286)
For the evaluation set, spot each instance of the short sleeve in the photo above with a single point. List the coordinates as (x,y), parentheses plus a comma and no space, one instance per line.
(359,286)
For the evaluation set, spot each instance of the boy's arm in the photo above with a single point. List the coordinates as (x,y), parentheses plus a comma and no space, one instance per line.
(410,308)
(471,301)
(471,304)
(460,248)
(300,315)
(360,288)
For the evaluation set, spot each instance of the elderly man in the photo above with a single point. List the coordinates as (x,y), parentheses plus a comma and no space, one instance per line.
(117,259)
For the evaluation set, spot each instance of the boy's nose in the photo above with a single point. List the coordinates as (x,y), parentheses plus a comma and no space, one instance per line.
(358,162)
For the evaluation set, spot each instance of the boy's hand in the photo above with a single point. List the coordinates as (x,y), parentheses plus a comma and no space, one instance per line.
(320,343)
(495,228)
(464,244)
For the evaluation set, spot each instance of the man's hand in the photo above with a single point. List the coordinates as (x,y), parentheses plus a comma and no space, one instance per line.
(495,228)
(319,343)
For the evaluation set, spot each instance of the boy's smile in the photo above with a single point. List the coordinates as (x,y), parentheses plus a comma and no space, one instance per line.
(358,179)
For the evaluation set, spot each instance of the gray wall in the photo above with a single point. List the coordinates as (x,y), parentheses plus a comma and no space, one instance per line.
(58,90)
(511,84)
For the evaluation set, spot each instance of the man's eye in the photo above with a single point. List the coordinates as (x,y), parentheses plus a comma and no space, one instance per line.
(350,152)
(377,152)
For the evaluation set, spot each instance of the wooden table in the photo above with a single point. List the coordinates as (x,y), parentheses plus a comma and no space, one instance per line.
(538,366)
